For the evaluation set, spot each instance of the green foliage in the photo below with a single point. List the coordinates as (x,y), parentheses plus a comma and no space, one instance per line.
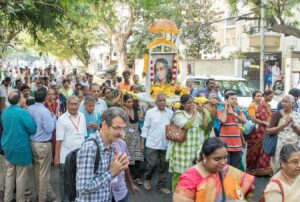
(35,17)
(72,39)
(279,15)
(197,30)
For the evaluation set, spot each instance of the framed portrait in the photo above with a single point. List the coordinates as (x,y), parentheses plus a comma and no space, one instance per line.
(163,67)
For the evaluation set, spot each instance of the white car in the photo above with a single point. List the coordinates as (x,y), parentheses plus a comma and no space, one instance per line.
(242,87)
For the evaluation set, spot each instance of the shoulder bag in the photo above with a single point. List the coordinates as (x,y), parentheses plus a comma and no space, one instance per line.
(269,144)
(175,133)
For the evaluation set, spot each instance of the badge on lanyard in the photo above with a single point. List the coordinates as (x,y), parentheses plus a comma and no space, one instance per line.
(239,193)
(76,126)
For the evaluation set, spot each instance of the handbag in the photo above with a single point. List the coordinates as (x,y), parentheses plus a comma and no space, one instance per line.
(248,127)
(269,144)
(175,133)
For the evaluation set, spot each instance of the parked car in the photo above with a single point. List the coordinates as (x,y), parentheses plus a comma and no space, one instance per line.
(242,87)
(108,73)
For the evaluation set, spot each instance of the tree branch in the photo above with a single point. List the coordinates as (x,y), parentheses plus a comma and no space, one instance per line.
(287,30)
(247,18)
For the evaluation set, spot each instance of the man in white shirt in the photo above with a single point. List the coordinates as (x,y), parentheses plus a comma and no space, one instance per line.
(154,131)
(84,80)
(5,90)
(100,105)
(70,133)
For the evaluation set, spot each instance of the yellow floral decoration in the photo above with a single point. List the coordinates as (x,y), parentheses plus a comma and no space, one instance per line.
(168,89)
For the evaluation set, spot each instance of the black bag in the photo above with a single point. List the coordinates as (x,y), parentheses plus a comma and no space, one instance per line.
(70,171)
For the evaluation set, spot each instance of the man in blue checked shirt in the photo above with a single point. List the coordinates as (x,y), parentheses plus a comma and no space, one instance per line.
(95,186)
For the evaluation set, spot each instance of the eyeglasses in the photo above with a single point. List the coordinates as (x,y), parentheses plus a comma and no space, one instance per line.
(119,128)
(294,162)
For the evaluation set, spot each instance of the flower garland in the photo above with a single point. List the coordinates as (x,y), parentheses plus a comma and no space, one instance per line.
(170,90)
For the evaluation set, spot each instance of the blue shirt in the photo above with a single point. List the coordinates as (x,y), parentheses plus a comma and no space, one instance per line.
(204,91)
(17,127)
(44,121)
(100,106)
(91,118)
(92,186)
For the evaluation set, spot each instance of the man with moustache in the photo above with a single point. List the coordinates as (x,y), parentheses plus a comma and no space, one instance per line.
(70,133)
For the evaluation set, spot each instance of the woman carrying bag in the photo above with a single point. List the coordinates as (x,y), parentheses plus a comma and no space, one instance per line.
(180,155)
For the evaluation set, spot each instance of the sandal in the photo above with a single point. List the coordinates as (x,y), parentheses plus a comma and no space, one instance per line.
(164,191)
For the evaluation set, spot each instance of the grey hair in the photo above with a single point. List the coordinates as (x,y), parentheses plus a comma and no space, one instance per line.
(89,99)
(290,98)
(72,97)
(286,151)
(111,113)
(14,97)
(159,95)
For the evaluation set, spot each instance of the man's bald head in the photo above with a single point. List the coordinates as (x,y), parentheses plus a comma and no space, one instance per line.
(14,97)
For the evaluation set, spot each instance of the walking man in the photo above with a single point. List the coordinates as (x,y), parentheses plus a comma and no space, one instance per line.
(95,186)
(41,143)
(100,104)
(154,131)
(17,127)
(70,133)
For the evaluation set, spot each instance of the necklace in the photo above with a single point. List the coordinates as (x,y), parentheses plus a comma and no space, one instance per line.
(286,178)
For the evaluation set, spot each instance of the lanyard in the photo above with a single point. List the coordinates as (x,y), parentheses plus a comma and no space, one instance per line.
(78,122)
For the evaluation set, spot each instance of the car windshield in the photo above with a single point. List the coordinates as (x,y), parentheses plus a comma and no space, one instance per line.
(242,88)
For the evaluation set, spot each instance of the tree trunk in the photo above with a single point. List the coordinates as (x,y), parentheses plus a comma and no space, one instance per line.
(122,56)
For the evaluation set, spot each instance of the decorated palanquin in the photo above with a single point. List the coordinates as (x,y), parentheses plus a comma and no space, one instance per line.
(161,65)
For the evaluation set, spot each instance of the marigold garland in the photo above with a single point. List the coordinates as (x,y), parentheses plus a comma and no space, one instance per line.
(170,90)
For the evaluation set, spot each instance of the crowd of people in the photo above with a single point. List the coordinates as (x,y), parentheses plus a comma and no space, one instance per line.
(47,114)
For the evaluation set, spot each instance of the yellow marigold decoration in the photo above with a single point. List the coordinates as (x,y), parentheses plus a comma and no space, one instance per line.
(146,59)
(133,95)
(161,41)
(170,90)
(176,105)
(200,100)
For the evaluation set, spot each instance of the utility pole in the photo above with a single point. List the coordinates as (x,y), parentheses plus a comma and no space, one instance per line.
(262,45)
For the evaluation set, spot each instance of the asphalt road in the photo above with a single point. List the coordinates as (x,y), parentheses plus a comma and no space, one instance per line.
(145,196)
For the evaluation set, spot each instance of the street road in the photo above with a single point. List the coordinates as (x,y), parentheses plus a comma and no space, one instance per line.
(145,196)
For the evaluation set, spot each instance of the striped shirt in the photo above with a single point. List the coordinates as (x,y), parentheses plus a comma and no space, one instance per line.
(230,132)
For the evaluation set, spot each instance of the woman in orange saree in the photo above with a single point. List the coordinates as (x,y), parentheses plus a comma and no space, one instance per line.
(211,179)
